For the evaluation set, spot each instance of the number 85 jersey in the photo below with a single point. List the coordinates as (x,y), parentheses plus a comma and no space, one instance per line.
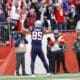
(37,36)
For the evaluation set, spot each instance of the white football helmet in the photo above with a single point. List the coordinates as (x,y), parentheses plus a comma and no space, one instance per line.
(38,23)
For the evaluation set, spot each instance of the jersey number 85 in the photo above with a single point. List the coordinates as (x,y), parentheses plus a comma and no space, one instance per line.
(37,35)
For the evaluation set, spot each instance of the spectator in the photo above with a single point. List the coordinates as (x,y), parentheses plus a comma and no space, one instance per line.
(39,4)
(48,12)
(50,16)
(23,15)
(30,19)
(20,47)
(21,3)
(60,17)
(67,6)
(4,5)
(15,14)
(78,8)
(12,27)
(44,17)
(4,33)
(75,2)
(9,5)
(46,23)
(71,18)
(77,11)
(2,15)
(42,12)
(2,21)
(78,25)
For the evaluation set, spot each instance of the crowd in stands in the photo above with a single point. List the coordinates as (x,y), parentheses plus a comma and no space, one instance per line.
(62,15)
(55,14)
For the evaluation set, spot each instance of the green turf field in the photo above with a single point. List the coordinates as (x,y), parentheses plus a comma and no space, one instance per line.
(71,76)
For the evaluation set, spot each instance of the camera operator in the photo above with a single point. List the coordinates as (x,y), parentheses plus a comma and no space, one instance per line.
(20,46)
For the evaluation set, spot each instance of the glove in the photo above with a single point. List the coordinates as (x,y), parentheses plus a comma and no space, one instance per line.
(62,42)
(51,43)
